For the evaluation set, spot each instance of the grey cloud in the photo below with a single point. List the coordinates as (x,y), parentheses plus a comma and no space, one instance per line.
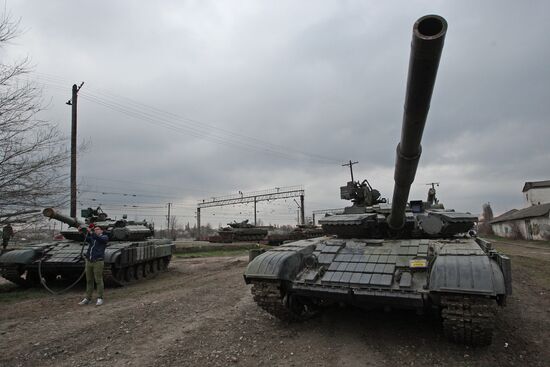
(326,78)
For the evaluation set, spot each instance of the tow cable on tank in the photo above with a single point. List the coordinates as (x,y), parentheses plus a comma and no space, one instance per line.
(43,281)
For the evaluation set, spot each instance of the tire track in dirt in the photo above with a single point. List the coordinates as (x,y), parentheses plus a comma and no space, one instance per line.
(64,331)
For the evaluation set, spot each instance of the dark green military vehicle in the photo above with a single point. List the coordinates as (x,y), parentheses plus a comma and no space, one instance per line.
(413,255)
(242,231)
(302,231)
(132,253)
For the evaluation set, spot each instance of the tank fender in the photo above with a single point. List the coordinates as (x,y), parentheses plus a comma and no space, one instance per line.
(466,274)
(18,257)
(111,255)
(277,265)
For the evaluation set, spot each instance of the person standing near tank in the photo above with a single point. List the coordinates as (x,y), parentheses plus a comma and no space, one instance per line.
(7,233)
(97,242)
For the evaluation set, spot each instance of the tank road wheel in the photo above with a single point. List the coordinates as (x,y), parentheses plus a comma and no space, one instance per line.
(163,263)
(154,266)
(110,273)
(118,274)
(468,319)
(284,307)
(158,264)
(139,272)
(147,270)
(129,274)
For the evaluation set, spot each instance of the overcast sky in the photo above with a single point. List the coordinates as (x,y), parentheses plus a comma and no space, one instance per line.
(185,100)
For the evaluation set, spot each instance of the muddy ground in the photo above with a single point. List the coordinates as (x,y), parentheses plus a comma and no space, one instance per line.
(201,313)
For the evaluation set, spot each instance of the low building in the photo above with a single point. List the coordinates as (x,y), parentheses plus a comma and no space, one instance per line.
(536,192)
(532,223)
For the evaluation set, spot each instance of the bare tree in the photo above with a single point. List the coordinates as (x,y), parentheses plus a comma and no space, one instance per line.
(484,224)
(487,212)
(32,151)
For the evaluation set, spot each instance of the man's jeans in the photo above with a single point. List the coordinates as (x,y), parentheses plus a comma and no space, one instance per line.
(94,271)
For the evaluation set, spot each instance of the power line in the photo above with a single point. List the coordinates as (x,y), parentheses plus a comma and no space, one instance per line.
(197,124)
(189,126)
(143,184)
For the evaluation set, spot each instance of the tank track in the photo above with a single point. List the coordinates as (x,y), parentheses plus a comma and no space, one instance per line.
(109,278)
(111,275)
(13,274)
(268,296)
(250,237)
(115,277)
(468,319)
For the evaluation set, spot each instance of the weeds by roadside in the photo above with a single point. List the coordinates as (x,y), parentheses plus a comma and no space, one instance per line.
(214,253)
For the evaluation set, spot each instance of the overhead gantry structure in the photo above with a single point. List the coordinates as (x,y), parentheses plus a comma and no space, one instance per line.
(253,197)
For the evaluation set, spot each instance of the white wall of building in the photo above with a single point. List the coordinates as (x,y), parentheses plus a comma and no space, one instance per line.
(537,196)
(530,229)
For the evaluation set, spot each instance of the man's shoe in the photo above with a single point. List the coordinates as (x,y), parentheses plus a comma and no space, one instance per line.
(99,302)
(85,301)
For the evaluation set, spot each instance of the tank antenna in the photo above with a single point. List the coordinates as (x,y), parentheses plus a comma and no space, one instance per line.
(350,164)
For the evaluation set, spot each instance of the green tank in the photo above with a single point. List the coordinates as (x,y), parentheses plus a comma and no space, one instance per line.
(407,255)
(132,253)
(242,231)
(302,231)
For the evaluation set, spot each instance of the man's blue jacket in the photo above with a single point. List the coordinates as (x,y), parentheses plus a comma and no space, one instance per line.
(96,246)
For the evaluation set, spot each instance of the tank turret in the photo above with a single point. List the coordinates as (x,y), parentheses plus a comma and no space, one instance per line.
(243,224)
(117,230)
(370,216)
(242,231)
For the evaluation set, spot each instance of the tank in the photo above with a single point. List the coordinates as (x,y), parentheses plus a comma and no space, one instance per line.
(408,255)
(242,231)
(302,231)
(132,253)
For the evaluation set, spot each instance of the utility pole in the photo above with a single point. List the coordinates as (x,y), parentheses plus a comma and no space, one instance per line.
(254,210)
(198,223)
(168,219)
(300,211)
(73,103)
(350,164)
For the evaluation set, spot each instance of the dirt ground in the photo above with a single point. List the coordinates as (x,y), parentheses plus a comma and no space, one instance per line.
(201,313)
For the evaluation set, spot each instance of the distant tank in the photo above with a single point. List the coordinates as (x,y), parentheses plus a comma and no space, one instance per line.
(301,232)
(132,253)
(242,231)
(412,255)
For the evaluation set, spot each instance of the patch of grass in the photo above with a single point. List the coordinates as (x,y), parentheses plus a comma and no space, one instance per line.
(10,293)
(536,269)
(213,253)
(510,240)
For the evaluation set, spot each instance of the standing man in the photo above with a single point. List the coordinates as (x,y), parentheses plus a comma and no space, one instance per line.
(97,242)
(7,233)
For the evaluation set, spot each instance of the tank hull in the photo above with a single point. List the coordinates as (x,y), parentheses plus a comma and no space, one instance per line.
(277,239)
(296,278)
(242,234)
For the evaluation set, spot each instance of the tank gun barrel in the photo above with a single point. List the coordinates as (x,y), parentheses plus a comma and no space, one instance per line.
(52,214)
(426,47)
